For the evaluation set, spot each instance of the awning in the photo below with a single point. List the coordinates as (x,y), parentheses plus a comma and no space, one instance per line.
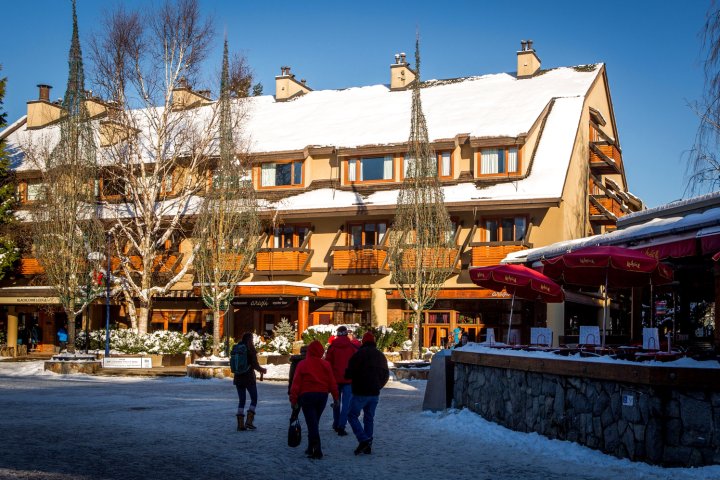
(677,246)
(710,241)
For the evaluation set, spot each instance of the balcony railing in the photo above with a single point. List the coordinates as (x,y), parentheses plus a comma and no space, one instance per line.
(442,258)
(491,253)
(30,266)
(605,209)
(605,158)
(365,260)
(283,261)
(162,264)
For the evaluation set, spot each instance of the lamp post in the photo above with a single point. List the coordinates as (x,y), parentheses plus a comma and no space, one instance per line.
(107,299)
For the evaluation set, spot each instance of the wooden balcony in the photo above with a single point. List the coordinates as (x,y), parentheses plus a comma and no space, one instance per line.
(484,254)
(283,261)
(162,264)
(605,158)
(369,260)
(606,209)
(30,266)
(446,258)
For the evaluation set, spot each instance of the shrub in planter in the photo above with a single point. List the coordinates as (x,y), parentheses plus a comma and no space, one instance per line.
(322,333)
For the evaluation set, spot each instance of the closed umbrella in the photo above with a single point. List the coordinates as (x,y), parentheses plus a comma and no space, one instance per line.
(520,281)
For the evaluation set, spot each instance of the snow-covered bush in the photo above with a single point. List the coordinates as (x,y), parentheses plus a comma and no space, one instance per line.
(391,337)
(322,333)
(281,345)
(128,341)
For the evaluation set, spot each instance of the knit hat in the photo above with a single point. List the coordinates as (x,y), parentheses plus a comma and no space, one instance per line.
(368,338)
(341,330)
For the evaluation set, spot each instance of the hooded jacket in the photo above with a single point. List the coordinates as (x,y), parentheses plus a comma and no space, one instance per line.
(338,354)
(313,375)
(368,370)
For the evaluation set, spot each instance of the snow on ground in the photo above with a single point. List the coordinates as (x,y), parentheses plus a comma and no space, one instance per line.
(85,427)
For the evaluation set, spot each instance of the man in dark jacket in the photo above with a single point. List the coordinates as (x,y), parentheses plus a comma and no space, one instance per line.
(368,371)
(338,354)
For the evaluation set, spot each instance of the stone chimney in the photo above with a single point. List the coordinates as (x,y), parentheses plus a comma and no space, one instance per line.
(42,112)
(528,62)
(401,75)
(286,87)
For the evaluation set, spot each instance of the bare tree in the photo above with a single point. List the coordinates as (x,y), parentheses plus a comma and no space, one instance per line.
(157,139)
(228,223)
(420,241)
(67,234)
(703,169)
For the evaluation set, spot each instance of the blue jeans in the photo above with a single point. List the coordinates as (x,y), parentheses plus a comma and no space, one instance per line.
(313,404)
(340,412)
(367,405)
(252,389)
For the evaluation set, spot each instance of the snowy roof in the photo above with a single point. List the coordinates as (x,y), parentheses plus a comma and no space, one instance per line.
(699,216)
(496,105)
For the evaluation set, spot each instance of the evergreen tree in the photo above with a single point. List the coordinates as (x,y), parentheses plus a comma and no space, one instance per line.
(8,252)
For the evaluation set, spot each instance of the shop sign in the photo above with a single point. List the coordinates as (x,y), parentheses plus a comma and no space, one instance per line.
(127,362)
(29,300)
(262,303)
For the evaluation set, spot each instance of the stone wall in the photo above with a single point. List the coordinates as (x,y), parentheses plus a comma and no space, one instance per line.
(664,425)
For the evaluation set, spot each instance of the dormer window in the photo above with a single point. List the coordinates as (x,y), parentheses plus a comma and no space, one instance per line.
(370,169)
(444,165)
(286,174)
(499,161)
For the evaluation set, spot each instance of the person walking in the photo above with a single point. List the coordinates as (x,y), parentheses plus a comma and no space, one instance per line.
(62,336)
(368,372)
(338,354)
(245,381)
(312,382)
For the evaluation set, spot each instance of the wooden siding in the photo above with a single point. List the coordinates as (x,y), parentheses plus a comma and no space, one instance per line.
(491,253)
(283,260)
(362,260)
(161,264)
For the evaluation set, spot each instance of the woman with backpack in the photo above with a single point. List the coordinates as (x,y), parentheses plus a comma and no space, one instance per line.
(243,363)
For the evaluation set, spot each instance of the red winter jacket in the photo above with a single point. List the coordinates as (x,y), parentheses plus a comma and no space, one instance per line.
(338,354)
(313,375)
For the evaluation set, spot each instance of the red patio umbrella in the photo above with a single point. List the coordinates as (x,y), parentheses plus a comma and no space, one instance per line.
(609,266)
(519,281)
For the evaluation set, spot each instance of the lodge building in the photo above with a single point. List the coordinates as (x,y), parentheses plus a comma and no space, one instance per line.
(525,159)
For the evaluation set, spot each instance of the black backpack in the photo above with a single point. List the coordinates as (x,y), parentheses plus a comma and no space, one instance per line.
(239,359)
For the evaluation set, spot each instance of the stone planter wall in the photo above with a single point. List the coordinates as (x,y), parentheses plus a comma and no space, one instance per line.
(626,413)
(68,367)
(206,372)
(273,359)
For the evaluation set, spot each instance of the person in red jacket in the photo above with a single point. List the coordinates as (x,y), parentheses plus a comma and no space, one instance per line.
(338,354)
(312,382)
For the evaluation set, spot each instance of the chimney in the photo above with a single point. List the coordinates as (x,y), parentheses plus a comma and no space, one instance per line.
(184,97)
(44,92)
(42,111)
(528,62)
(401,75)
(286,87)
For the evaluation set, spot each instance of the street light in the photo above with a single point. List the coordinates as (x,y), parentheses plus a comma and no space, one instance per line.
(107,298)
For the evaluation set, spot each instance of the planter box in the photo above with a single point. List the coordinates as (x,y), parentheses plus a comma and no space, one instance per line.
(168,360)
(70,367)
(206,372)
(273,359)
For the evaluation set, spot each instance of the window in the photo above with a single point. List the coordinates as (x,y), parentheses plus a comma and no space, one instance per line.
(368,169)
(367,233)
(113,186)
(494,161)
(444,165)
(167,184)
(34,191)
(281,174)
(290,236)
(239,179)
(507,229)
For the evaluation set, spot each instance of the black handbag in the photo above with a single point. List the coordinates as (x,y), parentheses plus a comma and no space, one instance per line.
(294,433)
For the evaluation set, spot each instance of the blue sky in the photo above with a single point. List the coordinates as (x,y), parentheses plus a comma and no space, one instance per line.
(651,50)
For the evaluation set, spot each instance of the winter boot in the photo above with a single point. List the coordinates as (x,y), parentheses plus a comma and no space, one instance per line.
(241,422)
(364,447)
(316,452)
(250,419)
